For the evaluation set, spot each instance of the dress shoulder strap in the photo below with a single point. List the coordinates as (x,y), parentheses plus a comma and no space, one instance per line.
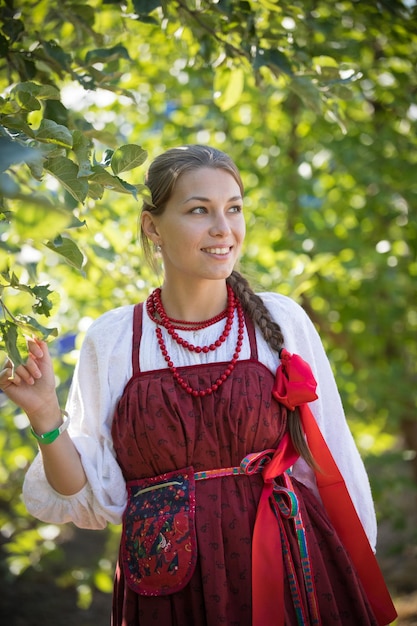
(137,335)
(250,327)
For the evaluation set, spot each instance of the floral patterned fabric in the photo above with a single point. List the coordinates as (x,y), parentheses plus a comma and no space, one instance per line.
(159,545)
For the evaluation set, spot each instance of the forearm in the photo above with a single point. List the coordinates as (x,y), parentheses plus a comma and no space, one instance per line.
(63,468)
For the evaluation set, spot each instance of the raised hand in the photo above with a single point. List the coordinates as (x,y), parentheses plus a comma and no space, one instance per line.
(31,386)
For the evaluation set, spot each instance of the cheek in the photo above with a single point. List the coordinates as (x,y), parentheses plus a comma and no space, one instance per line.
(242,232)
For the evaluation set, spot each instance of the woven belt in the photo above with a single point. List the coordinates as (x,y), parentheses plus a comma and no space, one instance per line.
(253,463)
(285,505)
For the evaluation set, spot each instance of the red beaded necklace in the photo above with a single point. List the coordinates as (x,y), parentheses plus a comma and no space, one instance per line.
(155,307)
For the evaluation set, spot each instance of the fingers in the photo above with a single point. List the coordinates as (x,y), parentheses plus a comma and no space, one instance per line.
(36,348)
(7,375)
(27,373)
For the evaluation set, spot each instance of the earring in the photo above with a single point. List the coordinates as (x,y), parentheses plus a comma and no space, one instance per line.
(157,248)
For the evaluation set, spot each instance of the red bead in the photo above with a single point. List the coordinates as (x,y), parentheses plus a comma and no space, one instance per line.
(154,304)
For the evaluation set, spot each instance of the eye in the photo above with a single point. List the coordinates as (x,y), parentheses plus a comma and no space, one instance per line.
(236,209)
(199,210)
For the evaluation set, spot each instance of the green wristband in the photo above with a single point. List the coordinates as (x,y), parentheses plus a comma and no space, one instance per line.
(50,436)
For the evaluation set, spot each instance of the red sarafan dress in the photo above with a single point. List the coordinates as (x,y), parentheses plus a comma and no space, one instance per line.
(157,428)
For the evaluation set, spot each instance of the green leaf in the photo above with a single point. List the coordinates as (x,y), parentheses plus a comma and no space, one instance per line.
(324,61)
(144,192)
(16,122)
(13,28)
(308,92)
(14,152)
(144,7)
(55,52)
(9,336)
(107,54)
(4,46)
(128,157)
(8,107)
(85,12)
(66,172)
(103,177)
(25,95)
(48,92)
(228,87)
(45,299)
(41,92)
(95,190)
(276,60)
(51,132)
(82,147)
(67,248)
(32,328)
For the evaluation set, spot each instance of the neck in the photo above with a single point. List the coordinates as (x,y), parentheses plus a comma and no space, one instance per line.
(194,303)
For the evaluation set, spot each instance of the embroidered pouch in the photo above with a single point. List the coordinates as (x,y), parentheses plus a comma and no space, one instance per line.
(159,545)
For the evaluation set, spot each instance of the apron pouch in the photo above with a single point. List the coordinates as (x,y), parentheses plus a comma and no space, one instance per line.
(159,545)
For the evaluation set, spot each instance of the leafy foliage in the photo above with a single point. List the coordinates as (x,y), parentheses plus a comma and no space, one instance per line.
(316,104)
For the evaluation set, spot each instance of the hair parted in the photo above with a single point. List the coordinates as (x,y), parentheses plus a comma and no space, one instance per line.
(161,178)
(166,169)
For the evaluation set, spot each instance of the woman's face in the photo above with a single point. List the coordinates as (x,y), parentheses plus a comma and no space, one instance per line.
(202,228)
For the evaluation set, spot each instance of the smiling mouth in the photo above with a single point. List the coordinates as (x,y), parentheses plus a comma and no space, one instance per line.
(221,251)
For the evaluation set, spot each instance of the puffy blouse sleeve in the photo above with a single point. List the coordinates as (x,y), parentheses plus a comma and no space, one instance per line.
(301,338)
(102,372)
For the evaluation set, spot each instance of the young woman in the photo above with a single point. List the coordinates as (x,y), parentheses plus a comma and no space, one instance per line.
(196,419)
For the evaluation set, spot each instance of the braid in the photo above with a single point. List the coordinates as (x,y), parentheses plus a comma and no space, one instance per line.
(255,308)
(253,305)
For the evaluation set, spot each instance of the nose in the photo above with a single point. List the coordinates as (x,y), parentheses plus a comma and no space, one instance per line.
(220,225)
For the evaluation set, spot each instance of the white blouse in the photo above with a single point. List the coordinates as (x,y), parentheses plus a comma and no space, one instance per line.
(105,367)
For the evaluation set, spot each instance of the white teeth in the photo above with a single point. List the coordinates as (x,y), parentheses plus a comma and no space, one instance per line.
(217,250)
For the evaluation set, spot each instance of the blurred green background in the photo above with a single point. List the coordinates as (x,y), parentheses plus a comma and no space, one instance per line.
(316,103)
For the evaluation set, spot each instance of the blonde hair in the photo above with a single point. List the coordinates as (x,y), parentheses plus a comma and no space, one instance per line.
(161,178)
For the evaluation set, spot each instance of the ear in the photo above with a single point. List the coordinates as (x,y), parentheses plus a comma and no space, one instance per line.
(149,227)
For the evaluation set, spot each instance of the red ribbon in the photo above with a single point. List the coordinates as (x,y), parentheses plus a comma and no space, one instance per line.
(295,386)
(294,381)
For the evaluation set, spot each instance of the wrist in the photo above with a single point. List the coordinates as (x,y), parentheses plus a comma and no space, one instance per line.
(45,420)
(50,435)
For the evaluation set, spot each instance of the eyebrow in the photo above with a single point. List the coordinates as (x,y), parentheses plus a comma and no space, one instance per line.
(202,199)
